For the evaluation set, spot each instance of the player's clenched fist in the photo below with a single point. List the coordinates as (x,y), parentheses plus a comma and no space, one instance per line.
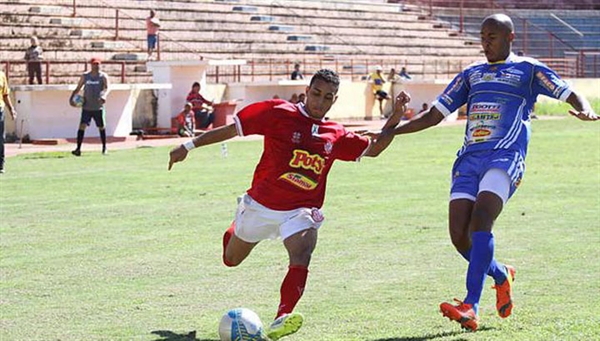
(177,154)
(401,100)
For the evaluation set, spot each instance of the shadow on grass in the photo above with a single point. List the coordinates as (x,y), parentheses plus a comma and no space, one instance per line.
(47,155)
(433,336)
(167,335)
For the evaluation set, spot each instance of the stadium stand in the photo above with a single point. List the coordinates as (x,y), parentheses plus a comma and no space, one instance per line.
(431,40)
(560,32)
(254,30)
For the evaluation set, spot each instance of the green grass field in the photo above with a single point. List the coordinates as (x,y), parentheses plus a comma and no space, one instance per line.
(117,248)
(557,108)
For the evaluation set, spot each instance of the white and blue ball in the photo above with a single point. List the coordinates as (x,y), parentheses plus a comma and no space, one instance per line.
(241,324)
(77,101)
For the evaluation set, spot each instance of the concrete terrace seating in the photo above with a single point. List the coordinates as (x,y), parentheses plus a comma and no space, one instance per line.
(533,28)
(236,35)
(547,34)
(64,38)
(287,29)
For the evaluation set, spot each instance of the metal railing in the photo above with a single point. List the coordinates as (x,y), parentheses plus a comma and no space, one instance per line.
(53,72)
(582,64)
(272,69)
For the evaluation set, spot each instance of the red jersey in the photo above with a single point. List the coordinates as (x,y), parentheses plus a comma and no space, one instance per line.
(297,155)
(196,99)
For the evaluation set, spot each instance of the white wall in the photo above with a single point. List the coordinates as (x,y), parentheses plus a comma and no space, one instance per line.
(45,112)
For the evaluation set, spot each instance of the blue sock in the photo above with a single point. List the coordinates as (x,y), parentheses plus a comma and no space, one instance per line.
(482,254)
(497,270)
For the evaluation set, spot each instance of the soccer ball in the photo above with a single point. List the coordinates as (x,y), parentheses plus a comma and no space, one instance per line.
(241,324)
(77,101)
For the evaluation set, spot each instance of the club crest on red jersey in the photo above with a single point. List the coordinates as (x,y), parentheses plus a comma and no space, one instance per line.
(328,147)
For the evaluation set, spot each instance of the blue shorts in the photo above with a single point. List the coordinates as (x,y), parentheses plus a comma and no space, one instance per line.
(469,169)
(152,38)
(88,115)
(381,94)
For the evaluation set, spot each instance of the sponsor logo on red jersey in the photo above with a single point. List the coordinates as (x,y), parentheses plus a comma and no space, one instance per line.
(299,180)
(303,159)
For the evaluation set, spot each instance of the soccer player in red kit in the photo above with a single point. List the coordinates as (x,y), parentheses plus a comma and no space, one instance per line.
(289,182)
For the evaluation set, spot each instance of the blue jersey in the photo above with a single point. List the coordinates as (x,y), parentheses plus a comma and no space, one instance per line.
(499,98)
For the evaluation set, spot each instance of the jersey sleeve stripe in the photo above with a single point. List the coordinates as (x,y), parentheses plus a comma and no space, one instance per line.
(565,94)
(238,125)
(442,108)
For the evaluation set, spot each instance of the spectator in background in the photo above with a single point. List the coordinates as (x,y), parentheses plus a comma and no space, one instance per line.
(187,121)
(4,103)
(424,108)
(393,76)
(296,74)
(203,111)
(294,99)
(95,86)
(302,98)
(152,26)
(33,56)
(377,81)
(404,74)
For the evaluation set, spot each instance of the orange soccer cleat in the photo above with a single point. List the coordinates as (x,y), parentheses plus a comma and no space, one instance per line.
(504,302)
(462,313)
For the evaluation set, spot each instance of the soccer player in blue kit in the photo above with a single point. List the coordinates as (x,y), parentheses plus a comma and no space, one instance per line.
(499,94)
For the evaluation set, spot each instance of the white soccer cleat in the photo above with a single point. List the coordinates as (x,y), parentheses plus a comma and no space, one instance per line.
(285,325)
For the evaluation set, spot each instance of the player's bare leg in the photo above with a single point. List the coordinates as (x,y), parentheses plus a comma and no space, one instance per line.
(300,247)
(235,250)
(460,211)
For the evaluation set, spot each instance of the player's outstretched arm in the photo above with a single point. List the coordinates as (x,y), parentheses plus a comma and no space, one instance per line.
(221,134)
(428,119)
(583,109)
(382,140)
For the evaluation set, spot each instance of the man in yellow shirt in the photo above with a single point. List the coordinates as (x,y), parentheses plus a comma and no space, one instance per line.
(377,80)
(5,93)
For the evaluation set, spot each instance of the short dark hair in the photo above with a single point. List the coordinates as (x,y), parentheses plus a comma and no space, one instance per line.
(326,75)
(195,84)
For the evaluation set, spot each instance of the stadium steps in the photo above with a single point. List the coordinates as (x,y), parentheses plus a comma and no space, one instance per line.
(295,30)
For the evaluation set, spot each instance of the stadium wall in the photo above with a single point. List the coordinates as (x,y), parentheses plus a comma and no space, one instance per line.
(44,112)
(54,118)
